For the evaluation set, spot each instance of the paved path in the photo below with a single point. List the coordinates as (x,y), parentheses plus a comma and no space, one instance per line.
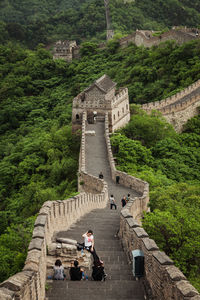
(120,283)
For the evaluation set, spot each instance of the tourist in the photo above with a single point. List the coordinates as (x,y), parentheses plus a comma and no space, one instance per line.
(98,273)
(123,201)
(58,271)
(112,202)
(128,198)
(117,179)
(101,175)
(89,244)
(75,271)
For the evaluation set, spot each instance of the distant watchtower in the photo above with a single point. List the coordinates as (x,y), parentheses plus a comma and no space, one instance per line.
(110,32)
(97,100)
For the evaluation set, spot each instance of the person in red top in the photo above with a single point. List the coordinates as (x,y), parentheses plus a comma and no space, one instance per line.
(89,244)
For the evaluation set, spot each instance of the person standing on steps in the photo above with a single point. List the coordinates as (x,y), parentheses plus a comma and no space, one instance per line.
(89,244)
(101,175)
(123,201)
(128,198)
(117,179)
(112,202)
(98,273)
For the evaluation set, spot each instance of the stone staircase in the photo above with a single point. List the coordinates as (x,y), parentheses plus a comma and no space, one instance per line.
(120,283)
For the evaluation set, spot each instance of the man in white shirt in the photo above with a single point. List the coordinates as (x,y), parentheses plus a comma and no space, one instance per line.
(89,244)
(112,202)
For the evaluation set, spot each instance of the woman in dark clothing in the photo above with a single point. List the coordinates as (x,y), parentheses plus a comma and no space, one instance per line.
(123,201)
(75,271)
(98,273)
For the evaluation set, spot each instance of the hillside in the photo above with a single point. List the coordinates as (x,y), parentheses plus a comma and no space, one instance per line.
(39,154)
(32,22)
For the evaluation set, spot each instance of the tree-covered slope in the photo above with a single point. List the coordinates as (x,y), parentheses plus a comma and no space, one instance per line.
(39,155)
(33,21)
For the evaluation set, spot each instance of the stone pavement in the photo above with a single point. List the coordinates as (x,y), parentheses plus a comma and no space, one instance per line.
(120,283)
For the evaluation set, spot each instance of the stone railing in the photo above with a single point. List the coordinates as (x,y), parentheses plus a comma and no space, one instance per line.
(54,216)
(142,187)
(123,93)
(179,36)
(176,107)
(171,100)
(82,148)
(162,280)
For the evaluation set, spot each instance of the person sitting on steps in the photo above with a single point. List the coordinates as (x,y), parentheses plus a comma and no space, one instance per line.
(75,271)
(101,175)
(98,273)
(58,271)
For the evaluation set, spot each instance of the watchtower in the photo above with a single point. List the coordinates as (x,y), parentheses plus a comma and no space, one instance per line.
(64,50)
(99,98)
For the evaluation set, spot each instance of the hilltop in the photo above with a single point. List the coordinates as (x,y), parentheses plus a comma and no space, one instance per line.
(32,22)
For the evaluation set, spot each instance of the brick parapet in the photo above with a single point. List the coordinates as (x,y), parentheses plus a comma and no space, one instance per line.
(121,96)
(174,110)
(54,216)
(162,279)
(158,105)
(142,187)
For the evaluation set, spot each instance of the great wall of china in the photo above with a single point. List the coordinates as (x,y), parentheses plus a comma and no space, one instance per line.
(178,108)
(161,281)
(68,50)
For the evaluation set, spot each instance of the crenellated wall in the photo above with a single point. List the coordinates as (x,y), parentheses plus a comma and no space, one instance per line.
(179,108)
(54,216)
(162,280)
(142,187)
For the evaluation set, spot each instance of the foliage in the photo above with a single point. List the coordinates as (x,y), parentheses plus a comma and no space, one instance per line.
(149,129)
(39,154)
(32,21)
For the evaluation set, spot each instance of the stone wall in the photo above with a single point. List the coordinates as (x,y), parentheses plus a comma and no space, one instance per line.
(142,187)
(54,216)
(171,100)
(175,111)
(179,36)
(162,280)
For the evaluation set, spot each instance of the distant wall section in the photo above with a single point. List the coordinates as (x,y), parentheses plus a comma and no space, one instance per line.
(179,108)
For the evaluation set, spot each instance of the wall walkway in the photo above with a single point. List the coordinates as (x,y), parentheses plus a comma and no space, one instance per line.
(120,283)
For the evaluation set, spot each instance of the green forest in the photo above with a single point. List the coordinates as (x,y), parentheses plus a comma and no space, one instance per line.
(32,21)
(39,155)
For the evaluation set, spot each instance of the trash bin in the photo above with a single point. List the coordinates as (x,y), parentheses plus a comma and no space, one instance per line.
(138,263)
(117,179)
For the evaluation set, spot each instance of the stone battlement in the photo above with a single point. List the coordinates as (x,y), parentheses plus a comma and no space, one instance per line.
(178,108)
(158,265)
(120,96)
(171,100)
